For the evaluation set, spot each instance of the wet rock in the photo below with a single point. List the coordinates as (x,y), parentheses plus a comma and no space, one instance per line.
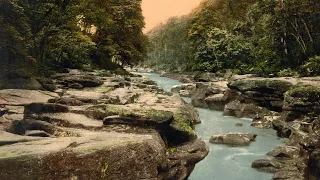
(183,125)
(264,122)
(233,139)
(238,109)
(178,77)
(188,153)
(147,81)
(193,113)
(202,99)
(216,101)
(284,152)
(184,90)
(288,175)
(265,165)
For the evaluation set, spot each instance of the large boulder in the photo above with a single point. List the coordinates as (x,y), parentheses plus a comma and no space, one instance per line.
(21,83)
(263,92)
(210,95)
(303,99)
(233,139)
(265,165)
(238,109)
(77,80)
(314,164)
(22,97)
(106,132)
(289,152)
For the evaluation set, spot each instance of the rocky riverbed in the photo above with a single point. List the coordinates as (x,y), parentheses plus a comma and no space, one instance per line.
(287,104)
(97,125)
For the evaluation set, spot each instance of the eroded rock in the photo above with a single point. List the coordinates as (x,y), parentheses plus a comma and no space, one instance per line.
(233,139)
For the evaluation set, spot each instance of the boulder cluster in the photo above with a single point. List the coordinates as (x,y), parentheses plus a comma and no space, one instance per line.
(289,105)
(97,125)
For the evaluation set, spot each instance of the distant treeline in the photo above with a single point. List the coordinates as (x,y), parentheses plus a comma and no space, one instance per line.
(266,37)
(48,36)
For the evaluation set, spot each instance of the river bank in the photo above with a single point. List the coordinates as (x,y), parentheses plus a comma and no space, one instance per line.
(96,125)
(287,104)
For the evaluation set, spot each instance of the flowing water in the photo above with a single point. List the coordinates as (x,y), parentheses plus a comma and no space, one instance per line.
(223,162)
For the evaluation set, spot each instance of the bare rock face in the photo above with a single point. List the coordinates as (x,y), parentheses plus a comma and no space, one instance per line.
(286,162)
(266,93)
(288,105)
(213,95)
(184,90)
(233,139)
(20,83)
(81,135)
(77,80)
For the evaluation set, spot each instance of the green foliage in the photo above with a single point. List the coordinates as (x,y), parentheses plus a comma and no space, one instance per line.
(168,47)
(267,37)
(49,36)
(288,73)
(312,67)
(119,36)
(14,37)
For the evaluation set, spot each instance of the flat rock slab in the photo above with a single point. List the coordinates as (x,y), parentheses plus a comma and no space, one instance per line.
(92,155)
(70,120)
(22,97)
(233,139)
(8,138)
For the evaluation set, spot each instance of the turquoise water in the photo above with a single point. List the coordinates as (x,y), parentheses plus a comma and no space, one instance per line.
(223,162)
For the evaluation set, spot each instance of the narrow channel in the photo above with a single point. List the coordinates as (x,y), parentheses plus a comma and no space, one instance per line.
(223,162)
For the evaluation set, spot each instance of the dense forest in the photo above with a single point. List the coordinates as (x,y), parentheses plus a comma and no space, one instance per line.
(43,37)
(265,37)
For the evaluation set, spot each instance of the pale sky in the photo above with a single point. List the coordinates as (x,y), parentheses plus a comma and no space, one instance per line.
(157,11)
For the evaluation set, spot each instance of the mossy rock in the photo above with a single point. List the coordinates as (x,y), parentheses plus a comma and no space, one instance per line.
(265,85)
(182,121)
(303,98)
(119,114)
(305,93)
(159,116)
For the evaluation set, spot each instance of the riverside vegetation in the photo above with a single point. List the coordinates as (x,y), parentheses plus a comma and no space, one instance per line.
(268,38)
(61,117)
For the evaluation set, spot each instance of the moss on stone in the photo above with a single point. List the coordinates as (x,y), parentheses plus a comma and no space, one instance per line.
(182,121)
(249,85)
(104,170)
(102,89)
(303,93)
(150,114)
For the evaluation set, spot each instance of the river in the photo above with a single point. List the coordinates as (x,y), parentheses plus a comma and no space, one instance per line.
(223,162)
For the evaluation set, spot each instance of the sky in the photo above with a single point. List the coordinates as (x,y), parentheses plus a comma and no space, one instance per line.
(157,11)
